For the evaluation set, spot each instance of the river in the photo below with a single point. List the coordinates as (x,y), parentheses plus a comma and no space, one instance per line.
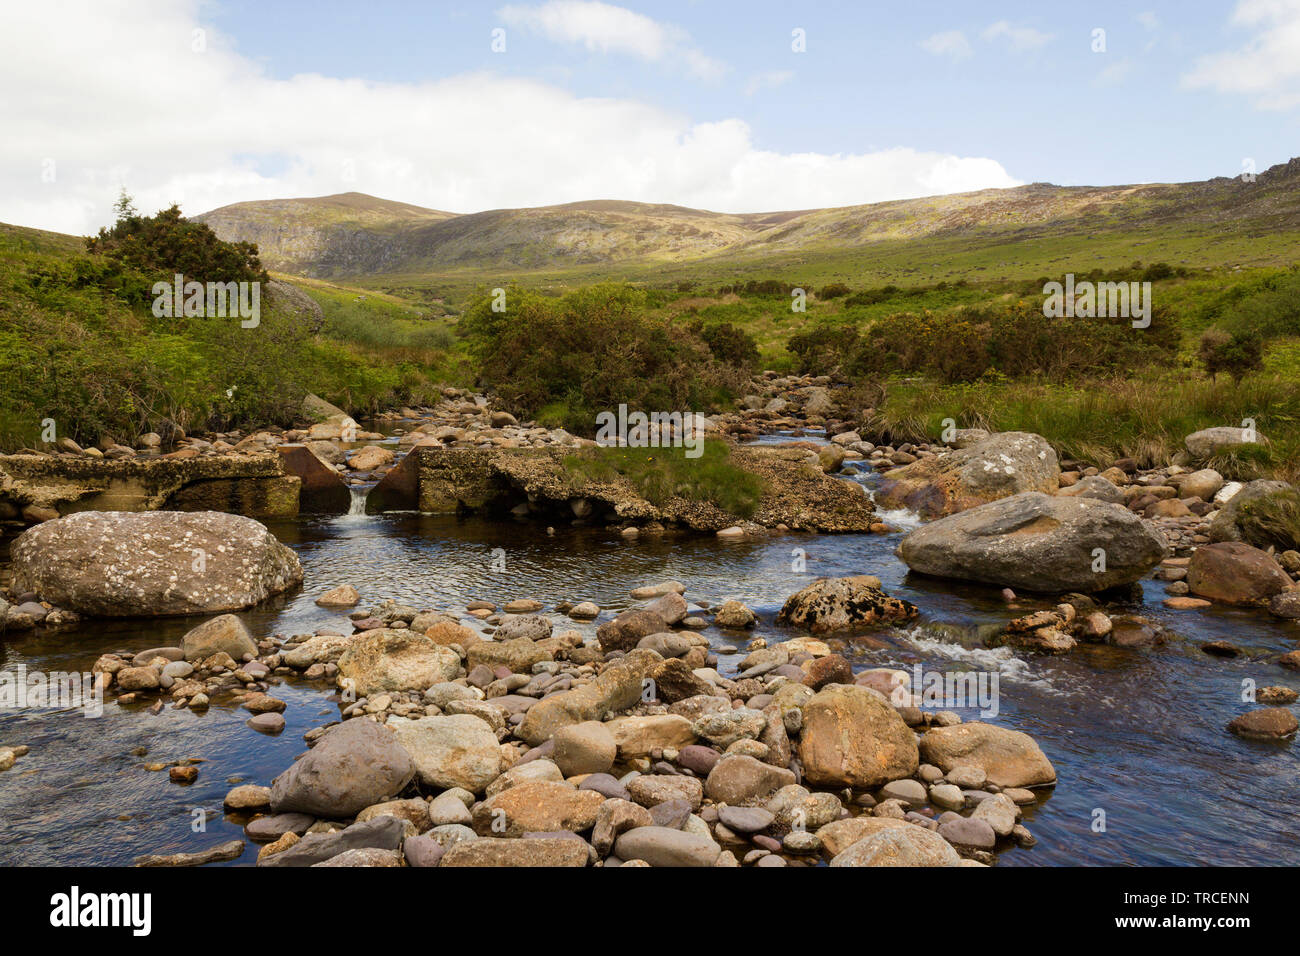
(1137,734)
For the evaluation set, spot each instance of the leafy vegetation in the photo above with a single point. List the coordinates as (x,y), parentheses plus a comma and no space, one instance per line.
(564,360)
(663,473)
(79,344)
(1271,520)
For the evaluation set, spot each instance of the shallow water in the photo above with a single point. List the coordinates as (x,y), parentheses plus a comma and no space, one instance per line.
(1138,734)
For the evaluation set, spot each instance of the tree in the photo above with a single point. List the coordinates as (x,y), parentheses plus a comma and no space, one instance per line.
(1236,353)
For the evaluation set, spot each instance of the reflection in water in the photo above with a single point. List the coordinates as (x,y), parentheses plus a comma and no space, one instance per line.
(1137,733)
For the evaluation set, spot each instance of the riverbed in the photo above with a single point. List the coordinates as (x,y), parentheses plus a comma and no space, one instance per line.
(1147,773)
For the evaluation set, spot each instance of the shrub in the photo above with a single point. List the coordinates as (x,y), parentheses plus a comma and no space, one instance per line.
(660,474)
(591,350)
(833,290)
(1271,520)
(1236,353)
(167,243)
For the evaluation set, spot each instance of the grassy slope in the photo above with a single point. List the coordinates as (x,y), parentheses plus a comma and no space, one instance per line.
(95,360)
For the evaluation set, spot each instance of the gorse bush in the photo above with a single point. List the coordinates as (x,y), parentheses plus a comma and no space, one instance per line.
(564,360)
(963,345)
(167,243)
(1233,352)
(79,344)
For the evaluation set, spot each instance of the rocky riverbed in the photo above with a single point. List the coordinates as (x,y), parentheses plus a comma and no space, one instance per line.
(667,729)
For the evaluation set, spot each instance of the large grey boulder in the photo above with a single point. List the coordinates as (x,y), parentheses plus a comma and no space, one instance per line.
(1209,442)
(153,563)
(1005,464)
(354,765)
(1038,542)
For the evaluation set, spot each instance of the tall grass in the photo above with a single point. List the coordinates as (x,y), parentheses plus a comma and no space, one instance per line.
(1145,418)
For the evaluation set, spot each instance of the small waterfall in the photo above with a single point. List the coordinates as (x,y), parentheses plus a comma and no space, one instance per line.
(358,504)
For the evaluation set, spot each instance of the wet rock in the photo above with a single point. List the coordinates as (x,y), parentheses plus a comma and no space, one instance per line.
(230,850)
(733,615)
(220,635)
(1008,758)
(1235,573)
(345,595)
(1267,723)
(625,631)
(1005,464)
(1039,543)
(833,604)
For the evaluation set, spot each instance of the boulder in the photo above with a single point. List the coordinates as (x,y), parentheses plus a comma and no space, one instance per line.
(738,779)
(835,604)
(518,654)
(515,852)
(456,751)
(664,846)
(908,845)
(537,807)
(624,632)
(1235,573)
(1005,464)
(616,688)
(383,660)
(225,634)
(1209,442)
(1008,758)
(155,563)
(354,765)
(381,833)
(853,737)
(1038,542)
(1250,516)
(1094,486)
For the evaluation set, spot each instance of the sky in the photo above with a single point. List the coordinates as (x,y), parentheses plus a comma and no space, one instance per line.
(731,106)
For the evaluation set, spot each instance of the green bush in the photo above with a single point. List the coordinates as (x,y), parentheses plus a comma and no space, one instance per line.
(167,243)
(660,474)
(590,351)
(1236,353)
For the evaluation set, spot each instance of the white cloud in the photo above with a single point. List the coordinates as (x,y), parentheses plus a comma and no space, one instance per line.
(1021,38)
(1267,68)
(951,43)
(1148,19)
(605,28)
(130,104)
(768,81)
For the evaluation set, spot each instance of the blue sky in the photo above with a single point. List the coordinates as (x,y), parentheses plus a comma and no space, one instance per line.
(706,104)
(1053,111)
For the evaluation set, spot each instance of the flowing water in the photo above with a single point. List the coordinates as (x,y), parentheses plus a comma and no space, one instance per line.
(1136,735)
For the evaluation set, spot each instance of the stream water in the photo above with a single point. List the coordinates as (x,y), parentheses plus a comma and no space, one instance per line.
(1137,734)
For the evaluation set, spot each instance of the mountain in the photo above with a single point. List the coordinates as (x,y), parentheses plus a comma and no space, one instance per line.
(353,234)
